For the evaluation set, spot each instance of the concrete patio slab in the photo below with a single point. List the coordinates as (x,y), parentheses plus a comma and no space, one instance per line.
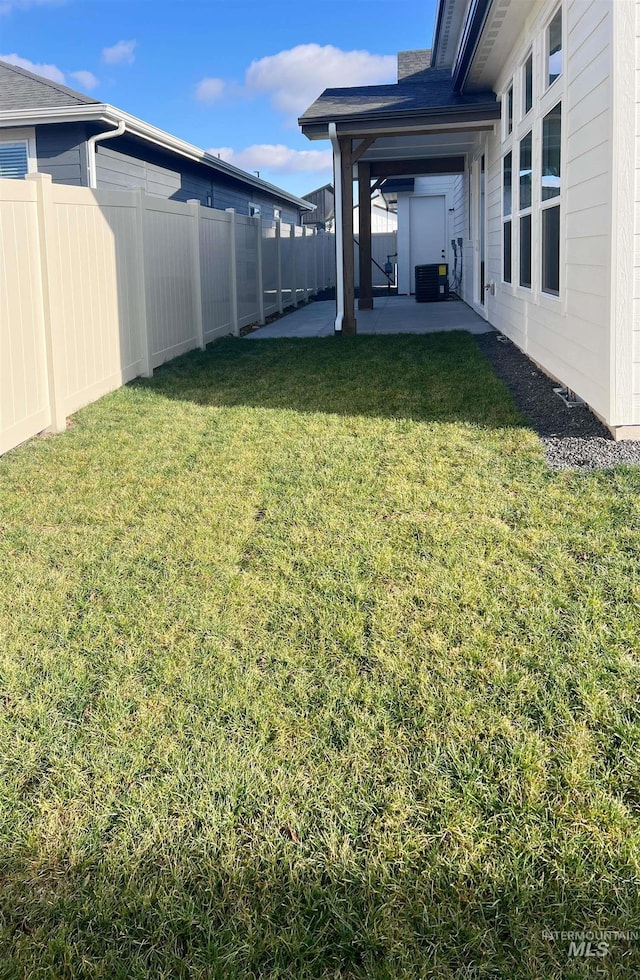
(391,314)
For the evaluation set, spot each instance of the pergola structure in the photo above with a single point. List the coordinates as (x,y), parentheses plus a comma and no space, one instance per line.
(419,126)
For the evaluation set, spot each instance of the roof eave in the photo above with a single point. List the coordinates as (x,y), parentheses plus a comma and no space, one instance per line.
(472,31)
(102,112)
(437,31)
(317,128)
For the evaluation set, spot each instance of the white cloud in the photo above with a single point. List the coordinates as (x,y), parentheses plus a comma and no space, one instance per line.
(85,79)
(209,89)
(47,71)
(296,77)
(275,157)
(120,53)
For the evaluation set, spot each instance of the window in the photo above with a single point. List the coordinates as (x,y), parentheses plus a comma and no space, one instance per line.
(14,159)
(527,87)
(254,209)
(551,131)
(276,214)
(524,207)
(507,207)
(525,251)
(506,251)
(554,48)
(551,183)
(509,111)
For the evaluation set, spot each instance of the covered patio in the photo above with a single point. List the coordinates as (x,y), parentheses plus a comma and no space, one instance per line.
(420,127)
(389,315)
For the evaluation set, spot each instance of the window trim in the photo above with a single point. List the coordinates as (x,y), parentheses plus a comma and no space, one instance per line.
(551,202)
(507,217)
(506,95)
(526,212)
(26,135)
(523,81)
(558,10)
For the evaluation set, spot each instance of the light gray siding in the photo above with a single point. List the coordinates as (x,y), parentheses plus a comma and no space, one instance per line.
(123,164)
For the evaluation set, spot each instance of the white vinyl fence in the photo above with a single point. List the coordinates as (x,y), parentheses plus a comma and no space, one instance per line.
(98,287)
(383,243)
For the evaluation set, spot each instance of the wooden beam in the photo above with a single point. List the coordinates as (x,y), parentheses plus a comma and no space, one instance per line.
(362,148)
(365,299)
(348,270)
(417,168)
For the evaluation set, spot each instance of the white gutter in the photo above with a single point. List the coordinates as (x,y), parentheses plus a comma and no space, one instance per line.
(102,112)
(337,184)
(91,150)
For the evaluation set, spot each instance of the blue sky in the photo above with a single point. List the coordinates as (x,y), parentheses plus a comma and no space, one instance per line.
(230,76)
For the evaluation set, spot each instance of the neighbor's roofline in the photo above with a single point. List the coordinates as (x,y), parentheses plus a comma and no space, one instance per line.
(103,112)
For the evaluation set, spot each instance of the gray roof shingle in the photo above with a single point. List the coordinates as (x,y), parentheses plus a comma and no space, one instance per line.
(22,89)
(434,92)
(413,64)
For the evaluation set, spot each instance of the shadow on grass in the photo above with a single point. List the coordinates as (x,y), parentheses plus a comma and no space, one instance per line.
(437,377)
(301,916)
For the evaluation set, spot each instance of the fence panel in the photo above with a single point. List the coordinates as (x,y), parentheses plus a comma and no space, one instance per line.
(215,270)
(246,264)
(171,316)
(270,267)
(287,258)
(98,287)
(94,292)
(24,395)
(382,244)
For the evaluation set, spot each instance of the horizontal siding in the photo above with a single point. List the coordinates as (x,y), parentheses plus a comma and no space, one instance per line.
(569,336)
(61,152)
(125,163)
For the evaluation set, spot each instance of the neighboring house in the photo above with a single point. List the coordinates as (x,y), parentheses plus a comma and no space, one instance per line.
(52,129)
(383,216)
(527,111)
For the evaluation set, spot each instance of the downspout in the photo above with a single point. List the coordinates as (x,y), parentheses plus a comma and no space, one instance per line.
(337,205)
(91,150)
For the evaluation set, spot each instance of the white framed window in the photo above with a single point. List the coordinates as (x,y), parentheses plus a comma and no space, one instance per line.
(553,48)
(525,201)
(276,214)
(507,111)
(550,186)
(17,153)
(527,84)
(507,221)
(254,209)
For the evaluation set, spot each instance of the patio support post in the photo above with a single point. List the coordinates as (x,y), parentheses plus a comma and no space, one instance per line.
(348,264)
(365,300)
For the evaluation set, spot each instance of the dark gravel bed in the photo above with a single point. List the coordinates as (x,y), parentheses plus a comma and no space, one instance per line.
(573,438)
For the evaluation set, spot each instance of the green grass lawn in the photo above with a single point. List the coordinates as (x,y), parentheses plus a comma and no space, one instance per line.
(310,667)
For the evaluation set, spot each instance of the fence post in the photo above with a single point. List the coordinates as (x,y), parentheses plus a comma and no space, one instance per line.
(279,265)
(233,276)
(55,366)
(294,288)
(141,279)
(194,204)
(259,273)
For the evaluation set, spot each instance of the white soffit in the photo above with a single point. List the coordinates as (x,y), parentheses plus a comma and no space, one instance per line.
(504,25)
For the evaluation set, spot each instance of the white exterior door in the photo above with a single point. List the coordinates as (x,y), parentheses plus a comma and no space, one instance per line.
(427,224)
